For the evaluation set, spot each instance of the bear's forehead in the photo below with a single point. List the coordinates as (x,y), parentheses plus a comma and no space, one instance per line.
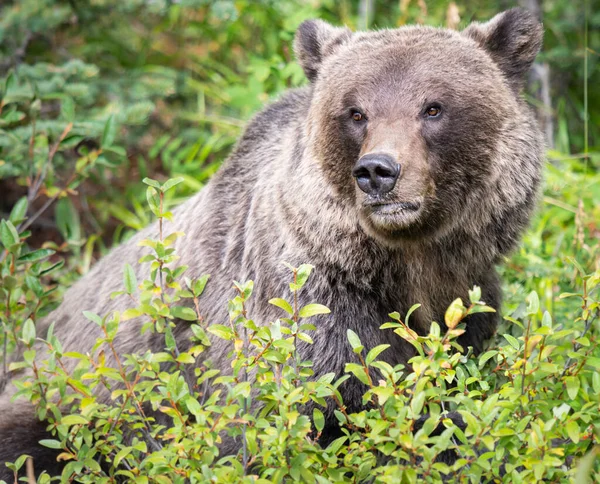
(409,36)
(414,48)
(409,64)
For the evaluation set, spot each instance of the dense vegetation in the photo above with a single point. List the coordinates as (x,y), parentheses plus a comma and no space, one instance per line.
(99,98)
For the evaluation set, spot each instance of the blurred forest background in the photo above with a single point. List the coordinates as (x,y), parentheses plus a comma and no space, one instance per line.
(98,94)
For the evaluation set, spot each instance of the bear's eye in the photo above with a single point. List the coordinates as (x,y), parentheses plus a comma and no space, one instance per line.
(357,115)
(433,111)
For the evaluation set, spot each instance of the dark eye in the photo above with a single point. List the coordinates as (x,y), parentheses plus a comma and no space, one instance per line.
(433,111)
(357,116)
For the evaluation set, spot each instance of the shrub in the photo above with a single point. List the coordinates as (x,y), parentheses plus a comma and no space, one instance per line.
(522,411)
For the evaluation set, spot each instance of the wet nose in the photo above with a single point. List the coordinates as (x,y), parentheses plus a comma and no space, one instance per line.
(376,173)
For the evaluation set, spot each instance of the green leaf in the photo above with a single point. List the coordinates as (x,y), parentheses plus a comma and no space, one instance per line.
(475,294)
(34,284)
(336,445)
(171,183)
(129,279)
(306,338)
(302,275)
(412,309)
(8,234)
(586,466)
(171,238)
(153,200)
(19,211)
(593,361)
(512,341)
(93,317)
(169,338)
(573,261)
(283,304)
(52,267)
(51,443)
(312,310)
(28,333)
(124,452)
(130,313)
(454,314)
(221,331)
(572,429)
(186,358)
(110,131)
(67,220)
(486,356)
(9,282)
(596,381)
(245,288)
(117,150)
(417,402)
(67,109)
(354,340)
(358,371)
(481,308)
(375,352)
(533,303)
(19,462)
(547,320)
(10,83)
(573,384)
(36,255)
(73,420)
(199,284)
(151,182)
(318,419)
(187,314)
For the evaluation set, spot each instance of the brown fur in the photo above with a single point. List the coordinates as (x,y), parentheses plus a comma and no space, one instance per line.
(287,194)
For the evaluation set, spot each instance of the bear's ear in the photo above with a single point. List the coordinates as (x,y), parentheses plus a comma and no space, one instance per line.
(314,41)
(513,40)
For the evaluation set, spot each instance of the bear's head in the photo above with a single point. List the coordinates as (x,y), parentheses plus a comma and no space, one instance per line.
(414,125)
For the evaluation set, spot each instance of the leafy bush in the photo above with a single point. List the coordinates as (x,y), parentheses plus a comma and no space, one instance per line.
(520,412)
(96,96)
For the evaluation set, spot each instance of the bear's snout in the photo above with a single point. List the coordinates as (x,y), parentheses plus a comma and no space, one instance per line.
(376,173)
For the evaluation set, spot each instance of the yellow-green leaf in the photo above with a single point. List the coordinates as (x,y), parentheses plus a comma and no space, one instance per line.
(73,420)
(573,384)
(454,313)
(312,310)
(573,431)
(283,304)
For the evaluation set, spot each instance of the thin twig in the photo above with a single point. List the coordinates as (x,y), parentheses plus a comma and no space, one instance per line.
(35,187)
(37,184)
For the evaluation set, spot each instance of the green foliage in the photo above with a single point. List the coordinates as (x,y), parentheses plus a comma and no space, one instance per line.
(522,411)
(111,112)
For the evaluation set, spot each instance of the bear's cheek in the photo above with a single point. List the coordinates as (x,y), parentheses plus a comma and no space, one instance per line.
(460,156)
(337,146)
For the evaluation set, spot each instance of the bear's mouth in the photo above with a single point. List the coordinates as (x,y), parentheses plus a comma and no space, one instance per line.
(394,208)
(391,216)
(391,221)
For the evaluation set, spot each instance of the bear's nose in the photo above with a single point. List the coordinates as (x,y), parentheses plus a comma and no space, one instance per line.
(376,173)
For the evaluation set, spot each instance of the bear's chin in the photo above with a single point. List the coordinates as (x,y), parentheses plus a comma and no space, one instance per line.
(395,224)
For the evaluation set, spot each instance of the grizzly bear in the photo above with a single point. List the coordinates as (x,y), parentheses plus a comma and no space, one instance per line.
(404,171)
